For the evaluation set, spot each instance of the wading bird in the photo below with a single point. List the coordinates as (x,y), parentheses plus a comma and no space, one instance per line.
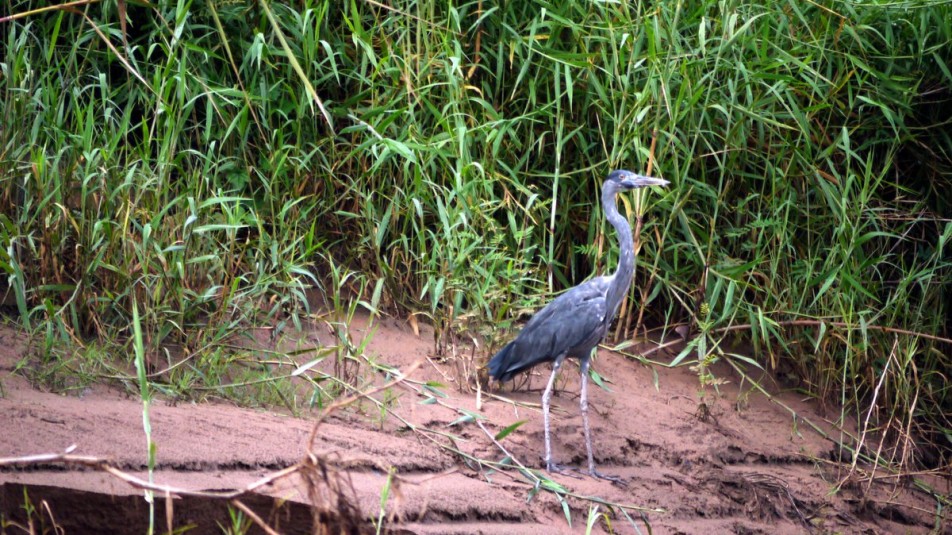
(574,323)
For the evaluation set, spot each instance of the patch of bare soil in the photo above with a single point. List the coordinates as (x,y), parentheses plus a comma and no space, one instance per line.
(738,463)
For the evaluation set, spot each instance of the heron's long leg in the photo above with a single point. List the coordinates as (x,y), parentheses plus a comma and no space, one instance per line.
(546,397)
(584,407)
(588,431)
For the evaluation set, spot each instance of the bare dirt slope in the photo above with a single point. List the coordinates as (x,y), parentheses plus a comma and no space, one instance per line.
(739,463)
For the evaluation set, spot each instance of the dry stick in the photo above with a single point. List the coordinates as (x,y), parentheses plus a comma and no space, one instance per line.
(295,66)
(253,516)
(234,68)
(479,394)
(479,39)
(37,11)
(527,404)
(659,347)
(502,448)
(169,512)
(49,512)
(438,370)
(122,59)
(869,415)
(644,301)
(906,436)
(351,399)
(912,411)
(651,275)
(104,465)
(644,304)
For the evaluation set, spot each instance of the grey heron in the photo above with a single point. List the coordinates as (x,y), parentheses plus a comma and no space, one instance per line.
(574,323)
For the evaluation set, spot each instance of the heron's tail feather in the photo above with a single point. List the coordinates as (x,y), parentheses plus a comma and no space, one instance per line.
(499,366)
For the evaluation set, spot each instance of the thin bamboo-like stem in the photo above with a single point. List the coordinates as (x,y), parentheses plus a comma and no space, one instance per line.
(624,317)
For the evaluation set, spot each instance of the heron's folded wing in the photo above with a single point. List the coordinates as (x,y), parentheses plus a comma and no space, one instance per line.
(569,322)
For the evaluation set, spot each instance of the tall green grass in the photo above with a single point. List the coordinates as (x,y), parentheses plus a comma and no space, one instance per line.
(212,160)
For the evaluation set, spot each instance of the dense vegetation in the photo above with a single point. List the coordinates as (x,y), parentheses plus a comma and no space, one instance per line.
(203,163)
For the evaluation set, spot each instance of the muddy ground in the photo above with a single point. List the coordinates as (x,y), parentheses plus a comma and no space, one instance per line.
(736,463)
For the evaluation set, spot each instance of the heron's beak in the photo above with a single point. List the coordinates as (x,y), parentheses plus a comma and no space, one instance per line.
(638,181)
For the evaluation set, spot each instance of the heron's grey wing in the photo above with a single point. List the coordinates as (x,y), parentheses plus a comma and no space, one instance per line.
(572,323)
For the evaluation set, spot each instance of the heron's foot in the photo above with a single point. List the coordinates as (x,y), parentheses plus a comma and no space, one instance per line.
(555,468)
(617,480)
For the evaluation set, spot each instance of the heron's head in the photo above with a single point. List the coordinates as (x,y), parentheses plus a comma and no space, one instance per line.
(622,180)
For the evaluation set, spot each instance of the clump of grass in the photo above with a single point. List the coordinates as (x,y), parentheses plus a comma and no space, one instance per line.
(34,518)
(213,161)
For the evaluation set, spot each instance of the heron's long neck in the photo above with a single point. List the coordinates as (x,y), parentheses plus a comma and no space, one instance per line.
(621,279)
